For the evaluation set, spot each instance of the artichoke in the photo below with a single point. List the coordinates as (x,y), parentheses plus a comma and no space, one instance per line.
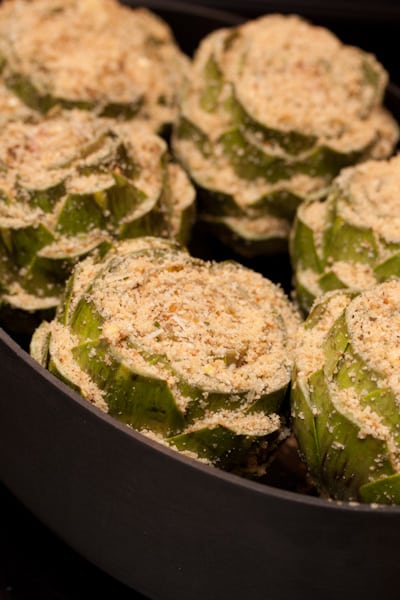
(94,55)
(12,108)
(196,355)
(274,109)
(353,239)
(346,393)
(70,183)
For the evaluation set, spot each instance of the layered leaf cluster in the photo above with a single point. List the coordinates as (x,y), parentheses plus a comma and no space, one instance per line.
(115,185)
(349,241)
(346,415)
(144,389)
(252,171)
(117,62)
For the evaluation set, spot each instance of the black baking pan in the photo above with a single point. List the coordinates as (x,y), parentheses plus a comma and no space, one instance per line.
(166,525)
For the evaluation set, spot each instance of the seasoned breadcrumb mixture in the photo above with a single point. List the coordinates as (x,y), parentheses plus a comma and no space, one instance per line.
(240,424)
(214,323)
(373,321)
(129,55)
(354,275)
(61,346)
(371,197)
(293,76)
(21,299)
(309,280)
(323,85)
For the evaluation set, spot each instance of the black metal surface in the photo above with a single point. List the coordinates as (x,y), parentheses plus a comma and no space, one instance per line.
(163,524)
(168,526)
(36,565)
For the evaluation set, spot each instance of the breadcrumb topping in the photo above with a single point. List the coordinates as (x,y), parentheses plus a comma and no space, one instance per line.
(371,197)
(309,357)
(130,55)
(373,321)
(218,325)
(322,84)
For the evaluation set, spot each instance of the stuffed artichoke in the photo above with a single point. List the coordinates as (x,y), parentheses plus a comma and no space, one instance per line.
(94,55)
(274,109)
(346,394)
(196,355)
(353,239)
(70,183)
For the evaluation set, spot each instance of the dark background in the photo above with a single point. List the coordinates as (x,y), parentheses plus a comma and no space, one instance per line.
(34,564)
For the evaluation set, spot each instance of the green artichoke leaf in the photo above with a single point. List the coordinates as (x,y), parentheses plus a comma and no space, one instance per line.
(388,268)
(122,110)
(45,199)
(330,281)
(293,142)
(25,242)
(303,248)
(119,160)
(42,101)
(218,203)
(319,309)
(39,346)
(25,89)
(269,403)
(219,445)
(353,372)
(133,397)
(58,370)
(45,276)
(385,490)
(210,401)
(80,214)
(63,309)
(187,130)
(213,86)
(279,203)
(325,161)
(348,460)
(86,322)
(250,162)
(123,198)
(204,400)
(346,242)
(7,270)
(336,343)
(304,424)
(304,297)
(148,224)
